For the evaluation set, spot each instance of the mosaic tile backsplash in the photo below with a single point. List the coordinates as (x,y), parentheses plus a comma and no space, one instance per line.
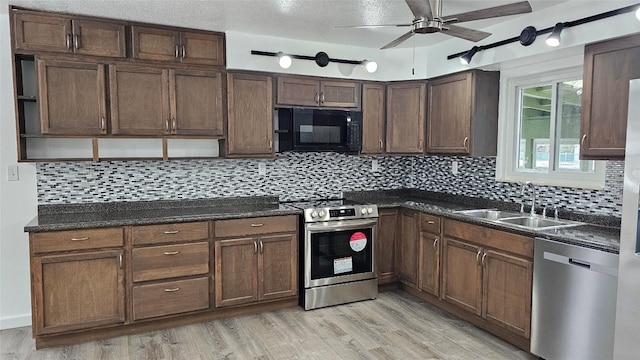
(293,176)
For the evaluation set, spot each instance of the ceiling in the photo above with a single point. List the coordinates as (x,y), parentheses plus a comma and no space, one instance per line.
(309,20)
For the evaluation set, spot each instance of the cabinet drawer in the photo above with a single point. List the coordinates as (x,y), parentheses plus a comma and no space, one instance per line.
(255,226)
(171,297)
(76,240)
(430,223)
(162,262)
(155,234)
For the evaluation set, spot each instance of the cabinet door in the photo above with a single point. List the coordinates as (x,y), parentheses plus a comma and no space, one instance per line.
(150,43)
(429,263)
(62,85)
(100,38)
(462,275)
(385,251)
(373,119)
(77,291)
(40,32)
(250,115)
(236,271)
(608,67)
(277,266)
(344,94)
(406,117)
(449,114)
(506,289)
(409,247)
(202,48)
(139,100)
(196,102)
(298,91)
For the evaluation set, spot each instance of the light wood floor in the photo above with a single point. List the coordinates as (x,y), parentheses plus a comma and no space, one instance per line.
(394,326)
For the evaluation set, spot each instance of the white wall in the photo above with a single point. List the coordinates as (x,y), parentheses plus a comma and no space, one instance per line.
(18,200)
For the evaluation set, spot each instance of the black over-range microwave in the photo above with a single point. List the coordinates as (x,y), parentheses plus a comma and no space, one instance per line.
(302,129)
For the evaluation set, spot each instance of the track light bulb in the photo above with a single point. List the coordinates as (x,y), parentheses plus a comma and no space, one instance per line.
(638,13)
(284,60)
(371,66)
(554,38)
(466,58)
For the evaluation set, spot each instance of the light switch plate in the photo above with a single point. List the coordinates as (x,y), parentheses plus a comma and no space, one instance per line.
(262,169)
(12,173)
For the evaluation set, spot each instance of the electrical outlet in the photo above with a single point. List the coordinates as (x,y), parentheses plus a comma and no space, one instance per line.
(375,166)
(262,169)
(454,167)
(12,173)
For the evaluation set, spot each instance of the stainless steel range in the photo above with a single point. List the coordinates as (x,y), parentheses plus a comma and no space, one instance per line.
(337,253)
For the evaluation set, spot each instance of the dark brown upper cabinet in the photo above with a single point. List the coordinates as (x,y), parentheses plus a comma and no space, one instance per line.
(373,117)
(196,102)
(43,32)
(72,97)
(174,45)
(463,114)
(304,91)
(406,117)
(608,67)
(250,115)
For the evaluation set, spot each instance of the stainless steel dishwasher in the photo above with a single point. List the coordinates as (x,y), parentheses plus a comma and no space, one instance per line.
(574,302)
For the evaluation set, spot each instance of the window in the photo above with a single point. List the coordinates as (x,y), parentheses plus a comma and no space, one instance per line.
(540,131)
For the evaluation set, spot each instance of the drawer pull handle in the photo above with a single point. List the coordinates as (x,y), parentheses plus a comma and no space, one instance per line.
(172,290)
(171,232)
(172,252)
(430,222)
(257,225)
(80,238)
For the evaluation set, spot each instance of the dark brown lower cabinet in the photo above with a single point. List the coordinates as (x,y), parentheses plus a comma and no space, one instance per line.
(408,247)
(429,263)
(385,251)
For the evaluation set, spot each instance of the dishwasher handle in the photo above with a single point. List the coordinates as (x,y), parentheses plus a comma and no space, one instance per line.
(579,263)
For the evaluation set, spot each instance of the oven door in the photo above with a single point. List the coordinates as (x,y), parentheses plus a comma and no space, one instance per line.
(339,251)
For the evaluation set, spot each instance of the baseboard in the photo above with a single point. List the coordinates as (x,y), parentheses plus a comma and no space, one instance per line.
(11,322)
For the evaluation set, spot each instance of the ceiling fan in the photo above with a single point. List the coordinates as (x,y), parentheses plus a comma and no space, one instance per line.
(427,21)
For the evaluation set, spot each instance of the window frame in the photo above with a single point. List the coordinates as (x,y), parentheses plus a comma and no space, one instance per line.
(509,126)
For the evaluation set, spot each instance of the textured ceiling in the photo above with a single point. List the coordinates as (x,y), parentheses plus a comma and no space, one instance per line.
(311,20)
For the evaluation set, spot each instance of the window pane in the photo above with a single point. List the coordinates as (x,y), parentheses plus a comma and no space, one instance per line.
(535,128)
(568,123)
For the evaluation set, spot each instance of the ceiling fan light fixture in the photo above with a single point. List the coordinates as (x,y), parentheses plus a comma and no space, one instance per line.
(371,66)
(554,38)
(284,60)
(466,58)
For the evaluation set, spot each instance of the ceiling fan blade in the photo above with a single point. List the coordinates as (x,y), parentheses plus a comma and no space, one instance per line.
(464,33)
(370,26)
(397,41)
(420,9)
(503,10)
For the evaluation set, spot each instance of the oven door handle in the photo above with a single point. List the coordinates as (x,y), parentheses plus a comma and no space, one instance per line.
(331,226)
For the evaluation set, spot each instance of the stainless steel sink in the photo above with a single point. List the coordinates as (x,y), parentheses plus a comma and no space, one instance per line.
(489,214)
(534,222)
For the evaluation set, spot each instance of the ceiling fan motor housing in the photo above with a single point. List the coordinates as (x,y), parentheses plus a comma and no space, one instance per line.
(426,26)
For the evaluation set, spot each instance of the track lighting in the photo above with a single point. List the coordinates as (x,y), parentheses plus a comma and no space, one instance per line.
(554,38)
(466,58)
(638,13)
(371,66)
(321,59)
(284,60)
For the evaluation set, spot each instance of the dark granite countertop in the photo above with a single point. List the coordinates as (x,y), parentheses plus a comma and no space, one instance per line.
(97,215)
(600,233)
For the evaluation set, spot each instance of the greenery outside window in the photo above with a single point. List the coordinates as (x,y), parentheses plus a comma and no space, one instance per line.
(540,131)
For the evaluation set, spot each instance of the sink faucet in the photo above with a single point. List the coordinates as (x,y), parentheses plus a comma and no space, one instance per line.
(533,197)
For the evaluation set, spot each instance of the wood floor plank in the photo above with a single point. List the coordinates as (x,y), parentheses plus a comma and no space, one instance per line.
(394,326)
